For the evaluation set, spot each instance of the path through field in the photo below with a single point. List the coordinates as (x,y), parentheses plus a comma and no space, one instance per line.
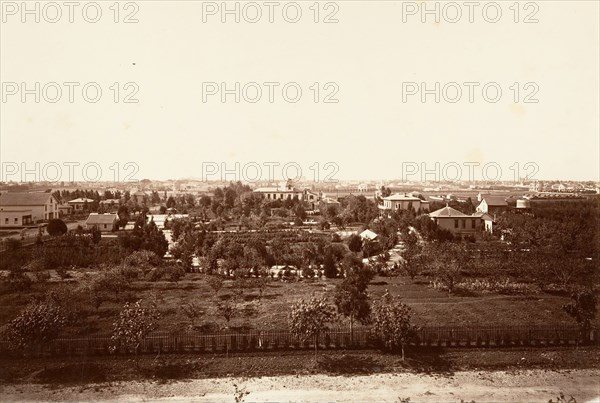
(528,385)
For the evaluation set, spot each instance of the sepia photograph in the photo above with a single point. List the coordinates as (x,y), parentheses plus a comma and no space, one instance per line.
(300,201)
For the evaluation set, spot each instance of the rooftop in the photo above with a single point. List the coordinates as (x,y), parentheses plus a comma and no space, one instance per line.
(494,200)
(401,197)
(95,218)
(24,199)
(81,200)
(447,212)
(368,234)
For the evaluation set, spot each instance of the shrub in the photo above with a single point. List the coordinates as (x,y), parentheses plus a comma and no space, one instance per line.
(56,227)
(135,322)
(37,324)
(143,259)
(392,326)
(12,244)
(19,281)
(308,319)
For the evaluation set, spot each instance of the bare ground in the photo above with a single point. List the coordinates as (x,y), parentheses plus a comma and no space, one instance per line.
(521,386)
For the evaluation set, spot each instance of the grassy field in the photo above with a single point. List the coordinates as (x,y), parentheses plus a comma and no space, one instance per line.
(430,306)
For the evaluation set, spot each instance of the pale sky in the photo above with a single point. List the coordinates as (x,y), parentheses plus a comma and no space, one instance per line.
(369,53)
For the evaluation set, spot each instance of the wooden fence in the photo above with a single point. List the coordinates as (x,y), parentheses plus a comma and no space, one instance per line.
(336,338)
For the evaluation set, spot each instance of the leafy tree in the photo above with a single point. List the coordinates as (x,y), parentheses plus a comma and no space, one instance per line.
(215,283)
(96,235)
(56,227)
(447,260)
(412,259)
(134,324)
(583,309)
(227,310)
(192,311)
(143,259)
(329,266)
(385,192)
(370,248)
(307,271)
(38,324)
(355,243)
(352,300)
(112,280)
(171,202)
(175,273)
(300,212)
(392,323)
(308,319)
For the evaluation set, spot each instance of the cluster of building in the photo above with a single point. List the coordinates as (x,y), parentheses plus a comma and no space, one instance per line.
(19,210)
(447,217)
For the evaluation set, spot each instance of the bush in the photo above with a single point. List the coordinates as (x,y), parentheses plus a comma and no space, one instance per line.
(12,244)
(135,322)
(308,272)
(143,259)
(37,324)
(505,286)
(131,272)
(392,326)
(56,227)
(19,281)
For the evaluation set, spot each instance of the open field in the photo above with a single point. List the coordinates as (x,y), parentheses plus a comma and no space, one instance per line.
(431,306)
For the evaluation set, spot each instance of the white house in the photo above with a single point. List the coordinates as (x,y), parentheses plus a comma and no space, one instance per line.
(460,223)
(104,222)
(402,202)
(21,209)
(491,204)
(80,204)
(288,192)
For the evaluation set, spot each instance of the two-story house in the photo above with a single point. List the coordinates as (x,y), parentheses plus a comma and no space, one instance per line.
(402,202)
(22,209)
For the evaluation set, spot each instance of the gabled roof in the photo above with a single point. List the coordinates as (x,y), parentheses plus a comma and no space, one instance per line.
(483,216)
(24,199)
(368,234)
(447,212)
(81,200)
(494,201)
(97,219)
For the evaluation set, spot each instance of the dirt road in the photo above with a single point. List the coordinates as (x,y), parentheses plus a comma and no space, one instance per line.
(527,385)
